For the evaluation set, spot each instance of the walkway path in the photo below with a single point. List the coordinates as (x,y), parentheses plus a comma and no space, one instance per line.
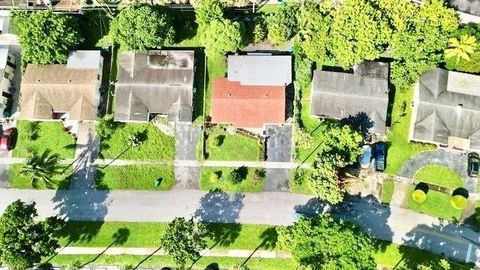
(235,253)
(85,154)
(389,223)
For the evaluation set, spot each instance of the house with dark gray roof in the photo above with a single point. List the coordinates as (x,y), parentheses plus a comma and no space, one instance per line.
(361,95)
(153,83)
(447,109)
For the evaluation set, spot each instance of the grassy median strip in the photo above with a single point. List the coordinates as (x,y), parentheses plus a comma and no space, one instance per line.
(437,204)
(142,177)
(220,178)
(24,182)
(440,176)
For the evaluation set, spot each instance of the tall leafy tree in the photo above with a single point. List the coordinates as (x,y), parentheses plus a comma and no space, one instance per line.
(340,146)
(325,243)
(41,168)
(142,27)
(314,22)
(183,240)
(359,31)
(45,37)
(281,25)
(222,36)
(23,240)
(419,40)
(206,12)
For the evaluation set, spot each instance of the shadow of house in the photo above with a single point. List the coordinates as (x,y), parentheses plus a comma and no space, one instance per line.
(360,121)
(221,207)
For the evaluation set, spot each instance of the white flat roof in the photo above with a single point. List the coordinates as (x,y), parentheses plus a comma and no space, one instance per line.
(84,59)
(463,83)
(3,56)
(260,69)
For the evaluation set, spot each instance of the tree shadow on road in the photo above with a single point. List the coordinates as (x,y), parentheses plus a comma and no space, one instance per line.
(444,240)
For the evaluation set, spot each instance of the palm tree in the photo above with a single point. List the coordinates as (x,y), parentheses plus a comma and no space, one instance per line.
(41,168)
(461,48)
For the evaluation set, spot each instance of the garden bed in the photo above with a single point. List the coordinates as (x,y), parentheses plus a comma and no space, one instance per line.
(157,145)
(48,135)
(219,178)
(141,177)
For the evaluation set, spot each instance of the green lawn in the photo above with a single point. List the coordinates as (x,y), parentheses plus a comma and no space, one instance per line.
(298,181)
(50,135)
(135,177)
(23,182)
(400,150)
(437,204)
(157,146)
(250,184)
(232,146)
(440,176)
(217,67)
(387,191)
(163,261)
(227,236)
(269,8)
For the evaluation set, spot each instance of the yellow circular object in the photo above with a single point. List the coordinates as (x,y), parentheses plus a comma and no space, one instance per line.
(419,196)
(458,202)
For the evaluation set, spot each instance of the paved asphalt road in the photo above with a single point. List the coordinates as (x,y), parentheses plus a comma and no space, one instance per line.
(398,225)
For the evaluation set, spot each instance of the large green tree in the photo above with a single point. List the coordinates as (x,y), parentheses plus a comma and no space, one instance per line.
(359,31)
(45,37)
(206,12)
(328,244)
(419,38)
(340,146)
(142,27)
(222,36)
(23,240)
(314,22)
(281,25)
(183,240)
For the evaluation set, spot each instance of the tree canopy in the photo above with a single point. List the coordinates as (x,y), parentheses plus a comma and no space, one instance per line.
(325,243)
(340,146)
(281,25)
(45,37)
(183,240)
(24,241)
(222,36)
(359,32)
(142,27)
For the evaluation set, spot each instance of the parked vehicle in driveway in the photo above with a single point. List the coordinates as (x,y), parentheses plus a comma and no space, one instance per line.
(473,164)
(6,140)
(366,157)
(379,155)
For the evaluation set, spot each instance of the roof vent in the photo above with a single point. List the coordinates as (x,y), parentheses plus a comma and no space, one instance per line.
(38,80)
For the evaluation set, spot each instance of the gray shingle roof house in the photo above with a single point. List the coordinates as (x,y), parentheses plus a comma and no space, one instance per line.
(362,93)
(158,82)
(260,69)
(447,109)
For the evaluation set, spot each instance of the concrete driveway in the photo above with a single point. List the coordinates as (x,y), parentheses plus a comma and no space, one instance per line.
(186,137)
(279,149)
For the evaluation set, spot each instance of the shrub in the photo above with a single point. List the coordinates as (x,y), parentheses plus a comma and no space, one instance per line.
(303,139)
(32,130)
(259,31)
(458,202)
(419,196)
(75,265)
(238,175)
(214,176)
(259,175)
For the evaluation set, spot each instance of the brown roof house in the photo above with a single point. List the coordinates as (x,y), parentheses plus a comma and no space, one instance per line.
(446,109)
(253,95)
(58,91)
(155,83)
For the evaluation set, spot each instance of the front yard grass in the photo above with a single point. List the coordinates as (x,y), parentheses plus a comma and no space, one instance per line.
(23,182)
(400,149)
(437,204)
(240,236)
(141,177)
(387,191)
(298,181)
(50,135)
(209,181)
(157,146)
(224,146)
(440,176)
